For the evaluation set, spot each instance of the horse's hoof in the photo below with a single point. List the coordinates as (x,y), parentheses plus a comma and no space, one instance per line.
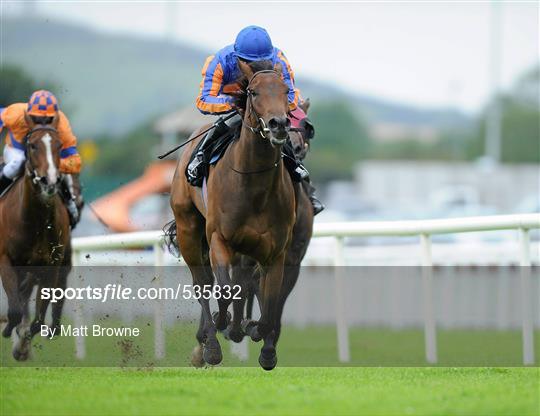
(6,333)
(54,330)
(21,355)
(212,352)
(268,361)
(197,359)
(220,326)
(236,335)
(250,328)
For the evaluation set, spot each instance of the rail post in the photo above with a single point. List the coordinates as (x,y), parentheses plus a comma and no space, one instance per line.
(344,354)
(430,336)
(526,305)
(159,331)
(78,317)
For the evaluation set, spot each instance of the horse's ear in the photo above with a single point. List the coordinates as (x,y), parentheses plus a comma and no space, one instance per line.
(278,68)
(245,68)
(304,105)
(29,122)
(55,121)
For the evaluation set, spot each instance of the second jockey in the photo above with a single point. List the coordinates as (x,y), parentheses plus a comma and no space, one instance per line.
(220,73)
(42,108)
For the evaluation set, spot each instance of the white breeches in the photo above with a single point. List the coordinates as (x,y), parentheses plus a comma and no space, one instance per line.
(14,159)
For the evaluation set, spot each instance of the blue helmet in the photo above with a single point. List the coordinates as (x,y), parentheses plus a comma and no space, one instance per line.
(254,44)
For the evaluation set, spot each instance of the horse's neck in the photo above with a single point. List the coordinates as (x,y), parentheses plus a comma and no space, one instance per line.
(252,153)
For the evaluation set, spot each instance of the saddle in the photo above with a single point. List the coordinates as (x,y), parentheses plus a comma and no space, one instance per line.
(217,148)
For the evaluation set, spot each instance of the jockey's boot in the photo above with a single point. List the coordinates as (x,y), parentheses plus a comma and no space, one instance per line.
(298,174)
(73,213)
(295,167)
(198,167)
(72,198)
(4,182)
(317,204)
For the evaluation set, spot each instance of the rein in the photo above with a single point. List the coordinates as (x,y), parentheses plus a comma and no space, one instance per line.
(250,172)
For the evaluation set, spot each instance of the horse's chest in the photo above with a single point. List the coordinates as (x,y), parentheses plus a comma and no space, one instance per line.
(46,248)
(259,239)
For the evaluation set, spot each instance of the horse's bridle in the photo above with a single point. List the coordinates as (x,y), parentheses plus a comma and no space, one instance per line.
(30,169)
(261,129)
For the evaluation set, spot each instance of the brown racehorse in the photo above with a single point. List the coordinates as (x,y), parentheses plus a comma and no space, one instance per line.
(250,210)
(247,276)
(35,240)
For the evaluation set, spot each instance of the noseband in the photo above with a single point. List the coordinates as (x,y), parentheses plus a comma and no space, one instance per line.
(30,169)
(261,129)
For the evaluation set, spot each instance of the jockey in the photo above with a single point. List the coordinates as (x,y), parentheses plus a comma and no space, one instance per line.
(220,72)
(42,108)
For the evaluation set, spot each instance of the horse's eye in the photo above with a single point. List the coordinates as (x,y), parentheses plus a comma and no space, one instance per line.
(32,146)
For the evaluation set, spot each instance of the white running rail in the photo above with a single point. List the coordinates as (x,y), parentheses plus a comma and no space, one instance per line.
(339,230)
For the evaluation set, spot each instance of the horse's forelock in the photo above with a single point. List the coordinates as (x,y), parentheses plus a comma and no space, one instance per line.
(243,81)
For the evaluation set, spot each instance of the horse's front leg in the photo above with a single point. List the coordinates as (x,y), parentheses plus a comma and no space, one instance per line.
(10,281)
(46,280)
(220,258)
(59,305)
(270,292)
(21,341)
(290,277)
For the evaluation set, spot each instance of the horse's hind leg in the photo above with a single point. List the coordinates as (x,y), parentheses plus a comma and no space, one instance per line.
(10,281)
(249,326)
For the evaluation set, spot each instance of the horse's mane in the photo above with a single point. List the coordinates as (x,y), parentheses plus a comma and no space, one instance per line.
(240,97)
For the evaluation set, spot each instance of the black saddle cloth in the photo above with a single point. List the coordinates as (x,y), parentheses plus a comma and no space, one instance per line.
(216,149)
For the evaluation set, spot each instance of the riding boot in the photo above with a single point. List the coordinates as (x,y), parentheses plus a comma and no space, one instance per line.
(296,169)
(4,182)
(72,198)
(198,167)
(317,204)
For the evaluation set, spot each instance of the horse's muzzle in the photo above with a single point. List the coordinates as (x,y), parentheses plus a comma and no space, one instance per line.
(47,189)
(277,141)
(279,127)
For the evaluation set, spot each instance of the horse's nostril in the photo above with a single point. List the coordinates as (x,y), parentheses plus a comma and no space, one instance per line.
(279,123)
(43,180)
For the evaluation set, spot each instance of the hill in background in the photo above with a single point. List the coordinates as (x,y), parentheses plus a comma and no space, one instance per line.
(113,83)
